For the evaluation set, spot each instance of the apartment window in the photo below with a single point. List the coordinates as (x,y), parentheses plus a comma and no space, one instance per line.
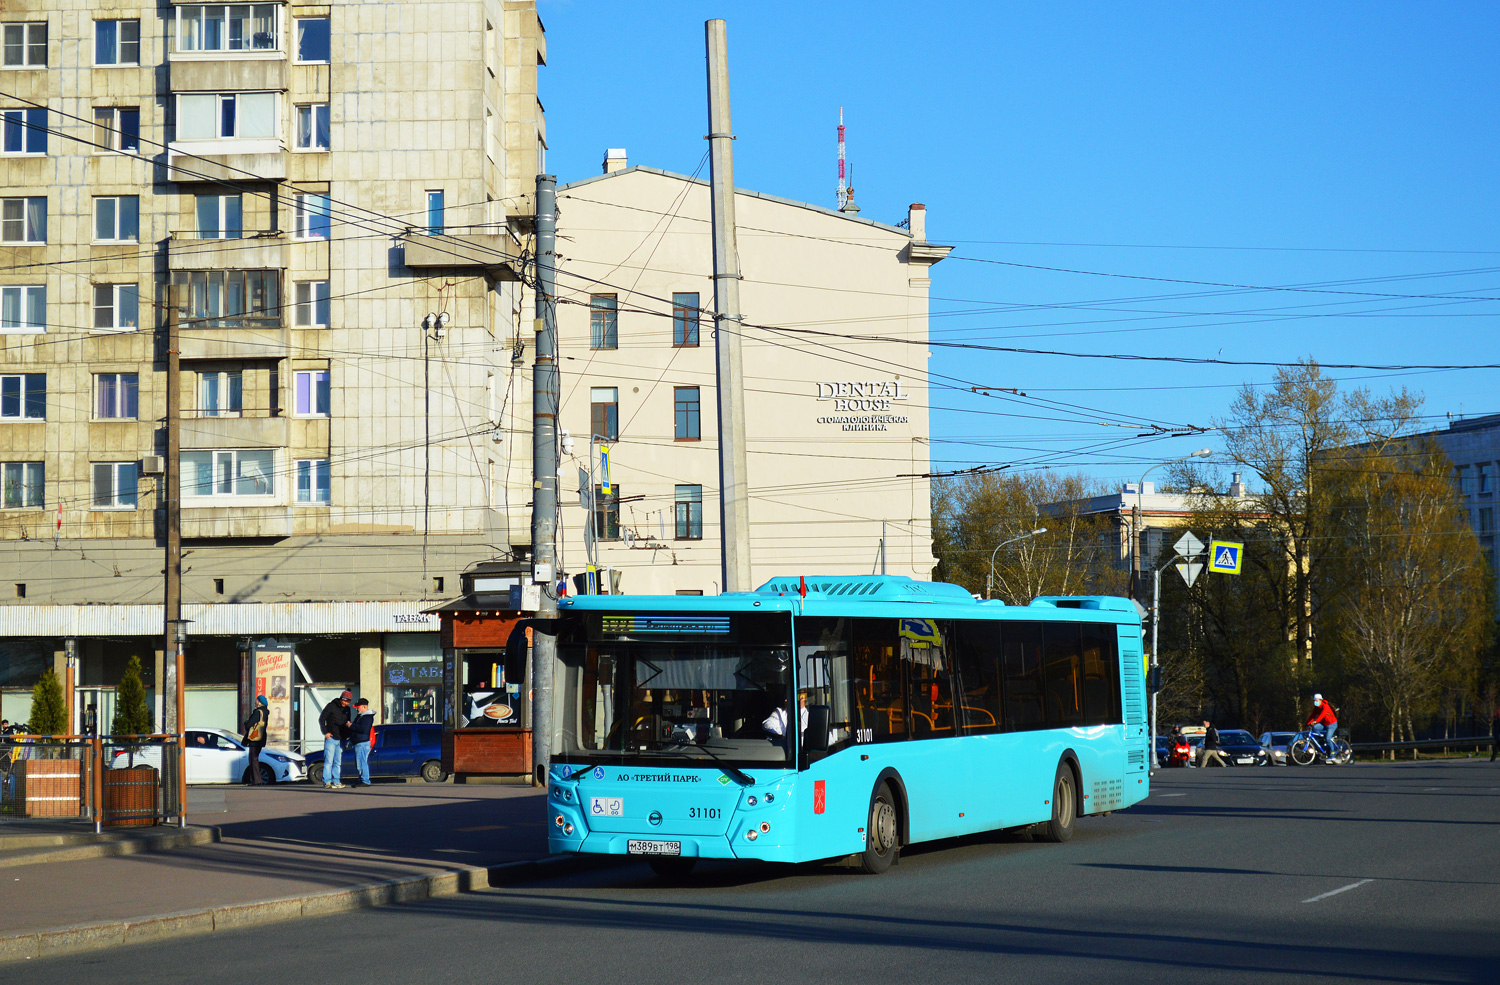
(25,483)
(23,220)
(607,513)
(23,397)
(310,393)
(115,485)
(223,116)
(237,472)
(25,131)
(220,217)
(604,329)
(117,42)
(686,414)
(312,217)
(26,45)
(230,298)
(1461,477)
(23,308)
(314,39)
(1482,478)
(216,27)
(117,396)
(689,512)
(312,304)
(312,127)
(117,128)
(117,306)
(604,412)
(221,394)
(1486,521)
(117,219)
(684,320)
(314,484)
(434,212)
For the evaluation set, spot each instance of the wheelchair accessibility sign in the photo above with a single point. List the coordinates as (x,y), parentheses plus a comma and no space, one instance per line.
(1225,557)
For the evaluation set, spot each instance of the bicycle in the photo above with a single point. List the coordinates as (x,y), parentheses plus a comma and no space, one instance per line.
(1308,747)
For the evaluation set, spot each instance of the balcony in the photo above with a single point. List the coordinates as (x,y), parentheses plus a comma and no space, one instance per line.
(256,250)
(238,159)
(229,72)
(488,250)
(201,432)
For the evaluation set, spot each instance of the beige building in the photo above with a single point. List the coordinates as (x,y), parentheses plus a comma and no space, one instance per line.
(836,427)
(318,179)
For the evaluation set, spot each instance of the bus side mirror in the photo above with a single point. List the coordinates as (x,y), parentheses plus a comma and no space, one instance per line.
(515,652)
(815,739)
(1153,679)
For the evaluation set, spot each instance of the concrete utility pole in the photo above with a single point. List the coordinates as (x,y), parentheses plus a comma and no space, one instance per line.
(734,491)
(170,494)
(545,392)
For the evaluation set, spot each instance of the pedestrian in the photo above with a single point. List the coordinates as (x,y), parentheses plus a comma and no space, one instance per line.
(334,724)
(91,720)
(255,736)
(362,734)
(1211,752)
(1495,731)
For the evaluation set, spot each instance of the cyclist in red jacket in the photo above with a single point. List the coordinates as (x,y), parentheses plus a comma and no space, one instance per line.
(1323,719)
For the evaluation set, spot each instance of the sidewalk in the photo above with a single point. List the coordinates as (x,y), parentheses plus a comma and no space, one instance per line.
(285,843)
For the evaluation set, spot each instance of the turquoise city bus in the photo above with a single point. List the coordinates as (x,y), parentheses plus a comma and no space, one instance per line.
(838,716)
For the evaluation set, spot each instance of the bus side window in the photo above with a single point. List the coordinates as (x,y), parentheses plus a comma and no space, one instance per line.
(975,650)
(879,698)
(1101,670)
(1023,676)
(1064,675)
(929,677)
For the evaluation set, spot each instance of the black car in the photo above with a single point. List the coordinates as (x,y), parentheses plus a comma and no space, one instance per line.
(1240,748)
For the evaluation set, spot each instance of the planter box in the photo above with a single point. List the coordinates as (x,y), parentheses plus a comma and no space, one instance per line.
(130,796)
(49,787)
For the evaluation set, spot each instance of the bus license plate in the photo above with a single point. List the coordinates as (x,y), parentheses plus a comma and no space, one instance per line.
(634,847)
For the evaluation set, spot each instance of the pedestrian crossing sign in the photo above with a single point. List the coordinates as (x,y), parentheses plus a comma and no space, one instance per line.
(1225,557)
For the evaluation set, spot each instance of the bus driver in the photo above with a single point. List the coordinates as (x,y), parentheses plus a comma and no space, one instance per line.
(775,722)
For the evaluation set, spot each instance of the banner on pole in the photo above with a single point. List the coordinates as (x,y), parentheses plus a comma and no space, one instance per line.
(604,484)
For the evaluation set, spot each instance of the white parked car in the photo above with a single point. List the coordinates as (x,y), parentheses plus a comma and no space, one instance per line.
(217,756)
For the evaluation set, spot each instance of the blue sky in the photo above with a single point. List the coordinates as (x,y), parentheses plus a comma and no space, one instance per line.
(1336,147)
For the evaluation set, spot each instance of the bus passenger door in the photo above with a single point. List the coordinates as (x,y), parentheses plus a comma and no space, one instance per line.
(1133,708)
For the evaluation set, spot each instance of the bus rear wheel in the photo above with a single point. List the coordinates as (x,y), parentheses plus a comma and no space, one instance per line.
(1064,807)
(883,834)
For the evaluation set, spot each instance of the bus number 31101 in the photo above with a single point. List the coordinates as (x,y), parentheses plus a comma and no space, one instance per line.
(705,812)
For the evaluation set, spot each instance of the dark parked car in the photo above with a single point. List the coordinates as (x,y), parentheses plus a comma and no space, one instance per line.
(400,750)
(1240,748)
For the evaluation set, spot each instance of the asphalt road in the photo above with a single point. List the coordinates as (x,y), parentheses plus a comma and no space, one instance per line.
(1318,874)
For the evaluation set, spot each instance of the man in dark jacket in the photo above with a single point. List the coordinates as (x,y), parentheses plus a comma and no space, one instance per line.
(1211,752)
(334,724)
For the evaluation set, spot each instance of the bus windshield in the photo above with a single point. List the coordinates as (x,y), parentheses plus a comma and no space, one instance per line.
(662,687)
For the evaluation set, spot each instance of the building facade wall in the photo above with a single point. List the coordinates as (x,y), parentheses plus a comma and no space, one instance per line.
(836,428)
(420,97)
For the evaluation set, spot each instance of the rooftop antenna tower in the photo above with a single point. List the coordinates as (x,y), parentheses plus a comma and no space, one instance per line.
(846,187)
(843,189)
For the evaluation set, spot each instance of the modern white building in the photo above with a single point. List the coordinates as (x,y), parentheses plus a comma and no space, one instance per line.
(836,424)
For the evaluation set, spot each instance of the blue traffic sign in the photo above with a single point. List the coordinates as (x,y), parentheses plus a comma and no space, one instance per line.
(1225,556)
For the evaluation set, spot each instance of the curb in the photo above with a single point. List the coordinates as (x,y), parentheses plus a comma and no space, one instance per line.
(113,933)
(193,834)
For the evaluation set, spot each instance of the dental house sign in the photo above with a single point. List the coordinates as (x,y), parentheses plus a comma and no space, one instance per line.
(862,405)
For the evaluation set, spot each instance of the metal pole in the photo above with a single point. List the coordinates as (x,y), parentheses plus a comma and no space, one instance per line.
(882,547)
(1155,619)
(170,495)
(544,403)
(734,500)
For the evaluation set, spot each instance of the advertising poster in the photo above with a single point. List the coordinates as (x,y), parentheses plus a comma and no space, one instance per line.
(273,679)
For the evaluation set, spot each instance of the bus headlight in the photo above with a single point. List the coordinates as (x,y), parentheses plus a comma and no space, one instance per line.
(751,801)
(567,829)
(751,835)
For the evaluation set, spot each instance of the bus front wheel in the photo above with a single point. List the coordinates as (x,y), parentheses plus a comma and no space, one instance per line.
(883,834)
(1064,807)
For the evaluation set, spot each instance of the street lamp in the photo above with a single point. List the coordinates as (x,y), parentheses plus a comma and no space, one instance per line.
(1135,521)
(989,581)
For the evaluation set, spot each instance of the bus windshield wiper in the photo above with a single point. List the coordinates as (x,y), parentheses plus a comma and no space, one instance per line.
(737,775)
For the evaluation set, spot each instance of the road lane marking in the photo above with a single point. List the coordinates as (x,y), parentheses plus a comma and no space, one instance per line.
(1171,795)
(1341,889)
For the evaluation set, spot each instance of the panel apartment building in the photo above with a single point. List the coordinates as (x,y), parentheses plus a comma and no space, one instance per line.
(836,426)
(339,192)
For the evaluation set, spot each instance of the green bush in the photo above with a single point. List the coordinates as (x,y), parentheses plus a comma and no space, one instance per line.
(132,713)
(49,712)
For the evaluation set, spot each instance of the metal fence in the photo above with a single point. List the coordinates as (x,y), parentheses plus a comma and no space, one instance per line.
(1467,742)
(108,780)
